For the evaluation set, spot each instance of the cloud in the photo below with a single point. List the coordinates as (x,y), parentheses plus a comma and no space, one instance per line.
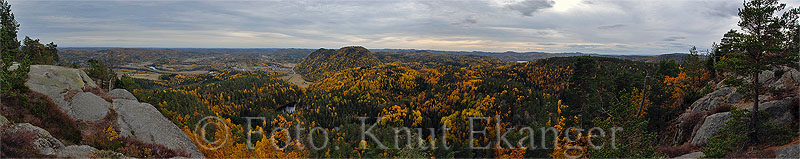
(610,26)
(673,38)
(725,9)
(467,21)
(529,7)
(599,26)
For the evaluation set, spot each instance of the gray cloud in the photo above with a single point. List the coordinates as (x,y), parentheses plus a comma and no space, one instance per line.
(616,27)
(611,26)
(529,7)
(467,21)
(724,10)
(673,38)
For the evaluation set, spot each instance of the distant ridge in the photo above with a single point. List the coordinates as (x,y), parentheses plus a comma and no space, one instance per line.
(530,56)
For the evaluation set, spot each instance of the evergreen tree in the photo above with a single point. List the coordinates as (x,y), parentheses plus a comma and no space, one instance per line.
(98,71)
(10,78)
(39,53)
(768,40)
(10,44)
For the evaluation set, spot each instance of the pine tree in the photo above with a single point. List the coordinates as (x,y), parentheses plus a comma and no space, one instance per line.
(100,72)
(10,78)
(10,44)
(768,40)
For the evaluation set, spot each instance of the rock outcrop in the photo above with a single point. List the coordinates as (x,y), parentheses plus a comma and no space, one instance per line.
(710,128)
(121,94)
(45,143)
(714,99)
(144,122)
(789,79)
(42,140)
(692,155)
(65,86)
(87,106)
(779,111)
(55,82)
(76,151)
(765,76)
(789,151)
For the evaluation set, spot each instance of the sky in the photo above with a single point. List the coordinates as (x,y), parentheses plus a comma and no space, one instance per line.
(588,26)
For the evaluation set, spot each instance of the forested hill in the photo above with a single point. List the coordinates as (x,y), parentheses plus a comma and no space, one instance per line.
(327,60)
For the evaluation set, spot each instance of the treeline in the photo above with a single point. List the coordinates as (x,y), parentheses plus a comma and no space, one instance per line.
(118,56)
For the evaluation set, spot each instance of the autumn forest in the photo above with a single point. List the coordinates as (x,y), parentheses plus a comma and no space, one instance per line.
(355,102)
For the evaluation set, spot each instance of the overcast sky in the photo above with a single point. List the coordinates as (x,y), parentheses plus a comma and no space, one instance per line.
(590,26)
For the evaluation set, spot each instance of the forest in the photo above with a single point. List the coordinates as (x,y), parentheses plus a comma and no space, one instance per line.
(650,101)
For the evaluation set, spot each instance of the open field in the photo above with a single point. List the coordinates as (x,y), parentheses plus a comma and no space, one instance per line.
(296,79)
(149,76)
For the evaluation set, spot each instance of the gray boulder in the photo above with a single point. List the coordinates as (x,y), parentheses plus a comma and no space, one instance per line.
(714,99)
(87,106)
(692,155)
(765,76)
(710,128)
(42,141)
(779,111)
(76,151)
(121,94)
(789,79)
(144,122)
(57,81)
(792,74)
(790,151)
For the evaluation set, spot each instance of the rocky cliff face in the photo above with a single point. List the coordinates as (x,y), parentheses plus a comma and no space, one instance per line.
(144,122)
(72,90)
(779,101)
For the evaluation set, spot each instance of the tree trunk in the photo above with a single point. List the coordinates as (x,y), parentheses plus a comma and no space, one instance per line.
(754,118)
(641,104)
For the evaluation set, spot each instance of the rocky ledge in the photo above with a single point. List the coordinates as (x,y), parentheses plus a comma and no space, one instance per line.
(77,95)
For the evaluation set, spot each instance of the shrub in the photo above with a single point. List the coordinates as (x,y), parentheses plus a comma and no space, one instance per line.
(19,144)
(126,82)
(99,92)
(106,154)
(690,122)
(720,109)
(136,148)
(40,111)
(675,151)
(107,139)
(732,139)
(102,140)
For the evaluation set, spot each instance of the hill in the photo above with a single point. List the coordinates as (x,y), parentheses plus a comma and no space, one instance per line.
(315,65)
(511,56)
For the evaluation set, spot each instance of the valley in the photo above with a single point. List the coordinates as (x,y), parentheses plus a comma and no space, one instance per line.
(400,79)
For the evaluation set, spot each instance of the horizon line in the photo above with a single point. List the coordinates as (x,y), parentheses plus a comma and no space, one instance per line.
(476,51)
